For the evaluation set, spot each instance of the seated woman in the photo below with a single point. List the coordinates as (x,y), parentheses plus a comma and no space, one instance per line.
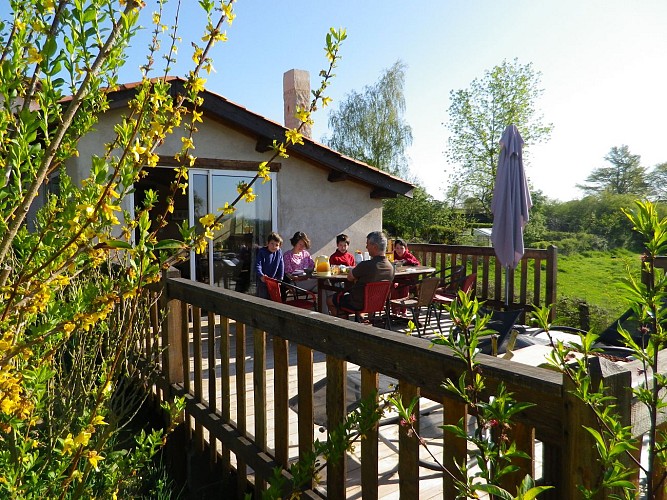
(299,263)
(402,257)
(341,257)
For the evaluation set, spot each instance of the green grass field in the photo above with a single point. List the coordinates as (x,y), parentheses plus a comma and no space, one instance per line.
(592,276)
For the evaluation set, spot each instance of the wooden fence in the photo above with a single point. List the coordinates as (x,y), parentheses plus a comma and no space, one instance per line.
(209,374)
(533,282)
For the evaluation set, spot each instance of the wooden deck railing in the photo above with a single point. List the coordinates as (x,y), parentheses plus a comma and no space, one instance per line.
(533,282)
(243,411)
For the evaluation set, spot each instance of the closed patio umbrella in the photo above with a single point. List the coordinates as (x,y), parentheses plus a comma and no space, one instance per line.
(511,203)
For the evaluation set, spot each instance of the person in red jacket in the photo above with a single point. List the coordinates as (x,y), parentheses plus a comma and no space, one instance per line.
(402,257)
(341,257)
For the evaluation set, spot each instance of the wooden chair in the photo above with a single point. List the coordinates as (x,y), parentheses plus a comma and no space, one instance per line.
(424,298)
(441,299)
(376,294)
(304,299)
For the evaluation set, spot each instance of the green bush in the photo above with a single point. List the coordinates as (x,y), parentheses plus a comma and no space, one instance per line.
(449,235)
(572,311)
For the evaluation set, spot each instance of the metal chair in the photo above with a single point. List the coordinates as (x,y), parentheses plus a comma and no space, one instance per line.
(424,298)
(274,288)
(375,301)
(453,281)
(443,298)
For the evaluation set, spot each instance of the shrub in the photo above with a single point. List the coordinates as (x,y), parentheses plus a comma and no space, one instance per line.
(578,313)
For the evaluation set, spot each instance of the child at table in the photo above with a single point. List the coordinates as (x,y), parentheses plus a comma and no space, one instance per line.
(269,263)
(402,256)
(341,257)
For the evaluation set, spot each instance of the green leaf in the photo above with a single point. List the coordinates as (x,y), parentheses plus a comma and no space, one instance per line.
(493,490)
(118,244)
(164,244)
(533,492)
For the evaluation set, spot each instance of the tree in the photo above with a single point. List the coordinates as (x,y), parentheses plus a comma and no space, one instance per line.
(422,217)
(478,116)
(624,176)
(657,179)
(75,305)
(369,126)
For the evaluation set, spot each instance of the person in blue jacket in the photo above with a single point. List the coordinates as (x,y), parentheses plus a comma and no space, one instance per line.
(269,263)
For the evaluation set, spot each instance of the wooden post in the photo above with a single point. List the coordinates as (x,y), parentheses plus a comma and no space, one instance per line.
(584,316)
(580,464)
(581,459)
(172,353)
(552,273)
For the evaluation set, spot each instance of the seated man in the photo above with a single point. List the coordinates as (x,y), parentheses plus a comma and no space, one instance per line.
(378,268)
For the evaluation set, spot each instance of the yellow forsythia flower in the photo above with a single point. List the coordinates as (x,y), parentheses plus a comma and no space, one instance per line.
(94,458)
(294,136)
(207,220)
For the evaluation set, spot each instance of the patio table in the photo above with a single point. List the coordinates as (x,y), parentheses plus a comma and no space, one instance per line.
(327,281)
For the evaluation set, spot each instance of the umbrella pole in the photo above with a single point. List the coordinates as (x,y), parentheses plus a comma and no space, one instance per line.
(507,287)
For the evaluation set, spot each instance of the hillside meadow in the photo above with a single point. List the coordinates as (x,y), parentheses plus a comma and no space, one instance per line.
(593,277)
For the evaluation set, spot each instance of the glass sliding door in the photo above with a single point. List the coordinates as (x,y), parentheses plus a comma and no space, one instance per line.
(230,257)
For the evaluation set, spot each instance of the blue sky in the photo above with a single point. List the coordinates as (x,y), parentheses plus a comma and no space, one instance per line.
(602,64)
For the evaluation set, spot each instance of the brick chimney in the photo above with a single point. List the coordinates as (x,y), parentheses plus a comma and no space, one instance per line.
(296,92)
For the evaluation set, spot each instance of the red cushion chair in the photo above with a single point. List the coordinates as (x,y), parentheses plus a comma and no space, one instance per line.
(304,299)
(375,301)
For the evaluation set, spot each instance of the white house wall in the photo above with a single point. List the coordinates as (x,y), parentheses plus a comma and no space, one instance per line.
(306,200)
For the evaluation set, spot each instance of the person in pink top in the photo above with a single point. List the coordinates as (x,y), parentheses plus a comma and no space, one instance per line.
(298,262)
(341,257)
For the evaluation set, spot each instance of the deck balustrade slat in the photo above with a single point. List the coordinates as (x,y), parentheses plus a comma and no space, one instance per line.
(197,367)
(537,282)
(212,382)
(408,446)
(225,392)
(524,437)
(305,386)
(523,294)
(281,395)
(485,276)
(659,481)
(453,413)
(335,404)
(369,445)
(241,402)
(185,345)
(259,388)
(212,362)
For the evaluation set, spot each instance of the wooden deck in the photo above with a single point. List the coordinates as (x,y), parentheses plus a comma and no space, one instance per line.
(431,413)
(224,382)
